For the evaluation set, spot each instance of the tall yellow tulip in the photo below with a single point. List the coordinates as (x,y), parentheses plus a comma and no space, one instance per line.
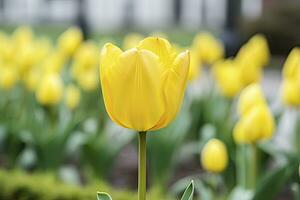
(143,87)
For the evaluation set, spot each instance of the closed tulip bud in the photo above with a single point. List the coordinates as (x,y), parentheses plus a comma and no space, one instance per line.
(195,67)
(88,80)
(22,36)
(291,66)
(251,72)
(72,98)
(8,77)
(143,87)
(54,63)
(214,156)
(70,40)
(251,96)
(208,48)
(257,125)
(261,48)
(290,92)
(228,78)
(132,40)
(87,55)
(50,89)
(32,79)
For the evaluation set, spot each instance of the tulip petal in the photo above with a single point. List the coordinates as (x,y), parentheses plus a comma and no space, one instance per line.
(174,86)
(161,47)
(135,85)
(108,57)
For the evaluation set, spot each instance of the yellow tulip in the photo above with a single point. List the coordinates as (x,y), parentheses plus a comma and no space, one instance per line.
(32,79)
(22,36)
(50,89)
(8,77)
(88,80)
(251,96)
(54,62)
(258,49)
(214,156)
(291,66)
(290,93)
(70,40)
(251,72)
(195,66)
(143,87)
(87,55)
(43,48)
(228,78)
(72,97)
(209,49)
(257,125)
(132,40)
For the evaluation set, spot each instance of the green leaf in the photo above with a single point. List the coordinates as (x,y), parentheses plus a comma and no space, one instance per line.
(189,192)
(271,184)
(103,196)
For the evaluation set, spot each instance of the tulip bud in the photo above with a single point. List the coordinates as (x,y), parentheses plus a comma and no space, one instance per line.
(257,125)
(228,78)
(72,97)
(88,80)
(208,48)
(132,40)
(290,92)
(8,77)
(70,40)
(214,156)
(50,90)
(292,64)
(195,65)
(250,96)
(32,79)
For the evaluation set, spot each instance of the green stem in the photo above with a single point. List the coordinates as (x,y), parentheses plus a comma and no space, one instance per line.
(241,157)
(142,166)
(297,133)
(252,166)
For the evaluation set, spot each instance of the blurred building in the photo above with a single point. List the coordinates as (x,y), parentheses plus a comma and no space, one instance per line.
(107,15)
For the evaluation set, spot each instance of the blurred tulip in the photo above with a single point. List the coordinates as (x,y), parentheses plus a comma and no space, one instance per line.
(72,97)
(50,89)
(251,96)
(143,87)
(87,55)
(70,40)
(257,125)
(195,66)
(208,48)
(88,80)
(228,78)
(8,77)
(214,156)
(256,120)
(250,71)
(32,79)
(54,62)
(132,40)
(22,36)
(256,51)
(292,64)
(290,92)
